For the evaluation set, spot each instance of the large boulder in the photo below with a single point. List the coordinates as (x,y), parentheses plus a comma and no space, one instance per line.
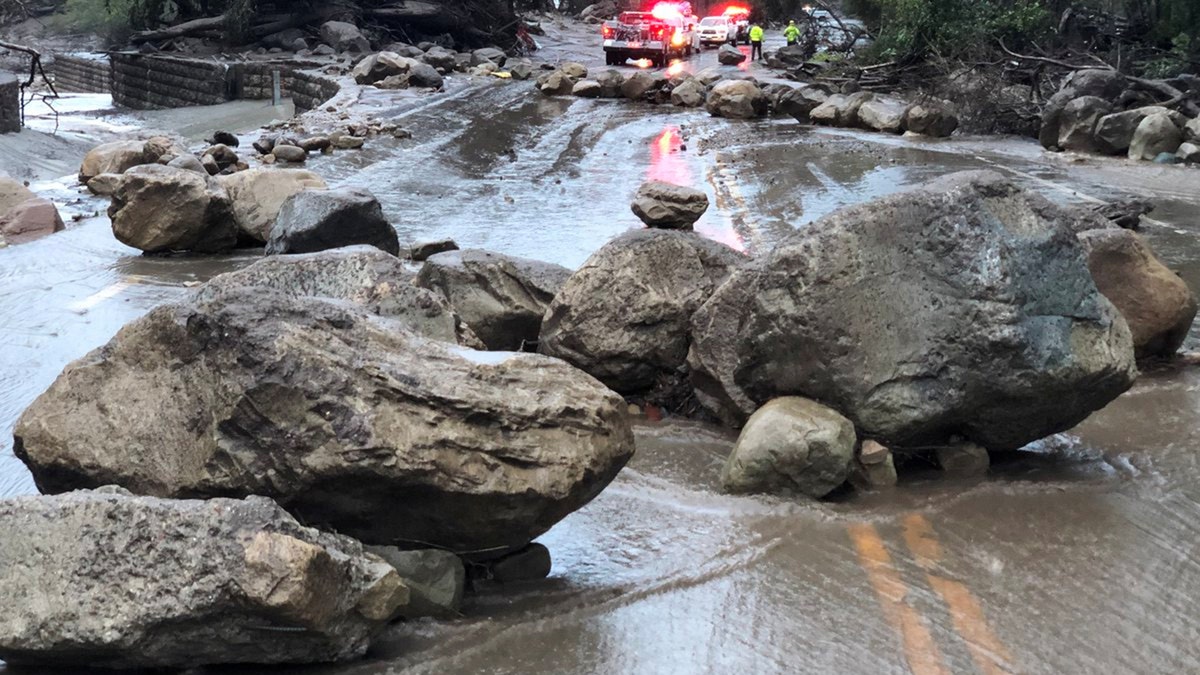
(1155,134)
(610,83)
(801,101)
(840,110)
(258,194)
(728,55)
(31,219)
(961,309)
(502,298)
(115,157)
(623,317)
(383,65)
(159,209)
(689,94)
(344,37)
(361,275)
(556,83)
(643,85)
(1078,121)
(346,419)
(1104,84)
(669,206)
(1114,132)
(884,114)
(1156,303)
(791,445)
(317,220)
(738,99)
(930,120)
(106,579)
(13,193)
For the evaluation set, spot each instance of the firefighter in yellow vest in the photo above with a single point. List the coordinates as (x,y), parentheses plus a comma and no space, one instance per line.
(756,39)
(792,33)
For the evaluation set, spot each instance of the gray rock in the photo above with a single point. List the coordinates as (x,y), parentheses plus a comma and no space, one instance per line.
(106,184)
(737,99)
(383,65)
(1155,135)
(930,120)
(360,275)
(290,153)
(965,307)
(689,94)
(623,317)
(965,460)
(488,55)
(502,298)
(529,564)
(555,83)
(801,101)
(1158,305)
(1191,131)
(158,209)
(422,251)
(669,206)
(874,467)
(105,579)
(521,70)
(425,75)
(840,110)
(314,143)
(575,71)
(791,445)
(188,163)
(728,55)
(345,418)
(1078,121)
(1188,153)
(440,58)
(224,155)
(1114,132)
(642,85)
(1103,84)
(316,220)
(259,194)
(610,83)
(344,37)
(435,579)
(884,114)
(587,89)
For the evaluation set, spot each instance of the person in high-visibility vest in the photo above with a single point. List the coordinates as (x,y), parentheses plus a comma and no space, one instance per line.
(756,38)
(792,33)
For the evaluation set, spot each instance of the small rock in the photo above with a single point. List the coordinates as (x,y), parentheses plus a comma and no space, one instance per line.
(1189,153)
(290,153)
(791,445)
(106,183)
(315,143)
(575,71)
(586,89)
(211,167)
(529,564)
(873,452)
(344,142)
(225,138)
(667,206)
(265,144)
(436,580)
(963,460)
(189,163)
(1155,135)
(728,55)
(875,468)
(421,252)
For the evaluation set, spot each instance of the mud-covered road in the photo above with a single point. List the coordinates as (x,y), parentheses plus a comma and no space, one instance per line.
(1079,556)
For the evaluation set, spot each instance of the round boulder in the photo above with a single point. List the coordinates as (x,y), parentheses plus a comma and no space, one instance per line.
(317,220)
(791,445)
(159,208)
(1155,135)
(1156,303)
(258,194)
(623,317)
(669,206)
(738,99)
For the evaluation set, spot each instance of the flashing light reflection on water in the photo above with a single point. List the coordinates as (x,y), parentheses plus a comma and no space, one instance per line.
(643,63)
(669,165)
(676,68)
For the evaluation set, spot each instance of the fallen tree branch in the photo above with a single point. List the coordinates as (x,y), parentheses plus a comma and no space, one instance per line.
(181,30)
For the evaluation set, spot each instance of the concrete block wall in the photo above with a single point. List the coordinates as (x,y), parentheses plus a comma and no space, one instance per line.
(82,73)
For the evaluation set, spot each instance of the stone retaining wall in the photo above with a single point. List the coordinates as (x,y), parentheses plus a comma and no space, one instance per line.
(146,82)
(82,74)
(10,103)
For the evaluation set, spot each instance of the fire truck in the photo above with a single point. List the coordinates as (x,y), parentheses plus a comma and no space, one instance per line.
(665,32)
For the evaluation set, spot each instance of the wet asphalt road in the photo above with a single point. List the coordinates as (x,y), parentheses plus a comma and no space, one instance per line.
(1079,556)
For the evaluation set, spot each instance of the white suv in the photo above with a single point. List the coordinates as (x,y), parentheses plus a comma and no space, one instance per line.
(716,30)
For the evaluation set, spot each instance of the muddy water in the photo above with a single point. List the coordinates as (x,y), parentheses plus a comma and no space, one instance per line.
(1077,556)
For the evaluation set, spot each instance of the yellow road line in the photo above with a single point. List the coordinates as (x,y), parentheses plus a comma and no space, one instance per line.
(920,650)
(99,297)
(988,652)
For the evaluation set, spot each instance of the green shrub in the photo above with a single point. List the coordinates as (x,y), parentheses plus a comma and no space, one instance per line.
(959,28)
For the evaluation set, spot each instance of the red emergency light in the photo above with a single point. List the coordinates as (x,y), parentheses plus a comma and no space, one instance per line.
(668,10)
(736,10)
(608,32)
